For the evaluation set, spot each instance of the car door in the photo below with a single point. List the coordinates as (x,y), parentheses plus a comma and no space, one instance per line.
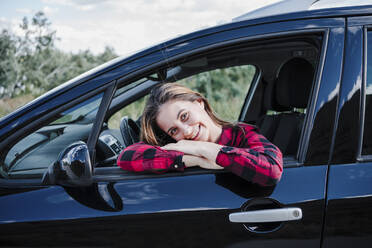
(348,216)
(192,209)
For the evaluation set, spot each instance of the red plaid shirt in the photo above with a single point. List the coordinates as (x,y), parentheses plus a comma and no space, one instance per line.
(245,152)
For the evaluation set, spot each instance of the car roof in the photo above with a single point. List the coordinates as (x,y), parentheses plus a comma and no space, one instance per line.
(290,6)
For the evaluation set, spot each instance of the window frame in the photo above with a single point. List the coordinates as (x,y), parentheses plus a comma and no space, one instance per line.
(367,157)
(115,173)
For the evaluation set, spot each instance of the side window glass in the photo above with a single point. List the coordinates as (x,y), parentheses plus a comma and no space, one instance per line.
(367,134)
(33,154)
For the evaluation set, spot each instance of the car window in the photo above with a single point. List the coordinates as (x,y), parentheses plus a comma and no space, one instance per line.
(266,84)
(280,100)
(367,134)
(225,88)
(33,154)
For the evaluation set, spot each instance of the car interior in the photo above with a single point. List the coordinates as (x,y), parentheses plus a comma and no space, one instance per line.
(278,94)
(275,100)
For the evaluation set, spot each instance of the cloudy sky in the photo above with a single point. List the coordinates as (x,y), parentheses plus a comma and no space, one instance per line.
(125,25)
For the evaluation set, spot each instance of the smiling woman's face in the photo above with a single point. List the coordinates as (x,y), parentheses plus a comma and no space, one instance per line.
(187,120)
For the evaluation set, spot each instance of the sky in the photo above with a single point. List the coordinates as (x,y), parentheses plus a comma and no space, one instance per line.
(125,25)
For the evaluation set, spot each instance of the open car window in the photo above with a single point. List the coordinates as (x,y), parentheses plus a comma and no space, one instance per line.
(225,88)
(264,83)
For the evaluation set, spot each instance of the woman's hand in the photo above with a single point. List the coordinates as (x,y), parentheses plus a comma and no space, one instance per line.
(203,149)
(186,146)
(197,153)
(191,161)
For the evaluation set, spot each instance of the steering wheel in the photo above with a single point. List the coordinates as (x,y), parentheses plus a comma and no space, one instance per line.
(129,131)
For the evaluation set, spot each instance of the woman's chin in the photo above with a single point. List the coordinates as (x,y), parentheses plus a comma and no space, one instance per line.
(204,137)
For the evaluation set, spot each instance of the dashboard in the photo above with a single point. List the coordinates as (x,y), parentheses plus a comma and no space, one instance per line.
(36,152)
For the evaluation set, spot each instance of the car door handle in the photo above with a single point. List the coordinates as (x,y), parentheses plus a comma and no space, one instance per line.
(267,215)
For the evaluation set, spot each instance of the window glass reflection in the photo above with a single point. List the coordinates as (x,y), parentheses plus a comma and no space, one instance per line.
(367,141)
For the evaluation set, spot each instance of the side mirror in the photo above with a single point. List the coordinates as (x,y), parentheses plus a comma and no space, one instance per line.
(72,168)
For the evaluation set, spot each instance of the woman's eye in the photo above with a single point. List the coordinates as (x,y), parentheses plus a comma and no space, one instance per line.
(184,117)
(172,131)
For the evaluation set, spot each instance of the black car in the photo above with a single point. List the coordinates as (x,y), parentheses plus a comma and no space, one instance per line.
(304,78)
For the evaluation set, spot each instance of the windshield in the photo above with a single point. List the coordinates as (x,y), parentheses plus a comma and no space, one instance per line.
(79,113)
(35,152)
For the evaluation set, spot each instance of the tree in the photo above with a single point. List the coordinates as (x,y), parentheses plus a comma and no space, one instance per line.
(31,64)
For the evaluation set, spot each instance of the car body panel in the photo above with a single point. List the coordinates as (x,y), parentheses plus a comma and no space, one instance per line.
(197,202)
(349,203)
(350,99)
(349,198)
(325,95)
(180,46)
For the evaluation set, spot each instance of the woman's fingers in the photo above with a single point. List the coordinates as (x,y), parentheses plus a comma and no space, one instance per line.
(185,146)
(204,163)
(173,147)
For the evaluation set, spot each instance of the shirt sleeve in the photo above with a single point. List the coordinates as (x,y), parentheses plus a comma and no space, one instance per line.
(141,157)
(256,159)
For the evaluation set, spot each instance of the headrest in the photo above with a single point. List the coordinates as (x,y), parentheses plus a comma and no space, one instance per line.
(293,84)
(270,102)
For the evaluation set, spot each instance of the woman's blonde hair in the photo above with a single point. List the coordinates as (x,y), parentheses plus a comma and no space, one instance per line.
(150,131)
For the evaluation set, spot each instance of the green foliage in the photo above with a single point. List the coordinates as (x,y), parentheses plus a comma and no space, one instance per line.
(225,88)
(133,110)
(30,64)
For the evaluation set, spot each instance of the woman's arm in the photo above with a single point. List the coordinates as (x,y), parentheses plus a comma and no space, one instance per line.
(254,159)
(258,161)
(202,149)
(143,157)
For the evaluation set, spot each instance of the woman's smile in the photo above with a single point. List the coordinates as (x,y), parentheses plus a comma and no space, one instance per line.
(195,134)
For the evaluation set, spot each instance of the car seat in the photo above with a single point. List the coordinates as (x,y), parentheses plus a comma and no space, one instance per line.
(284,96)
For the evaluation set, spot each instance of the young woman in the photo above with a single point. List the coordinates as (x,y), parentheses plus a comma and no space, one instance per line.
(179,129)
